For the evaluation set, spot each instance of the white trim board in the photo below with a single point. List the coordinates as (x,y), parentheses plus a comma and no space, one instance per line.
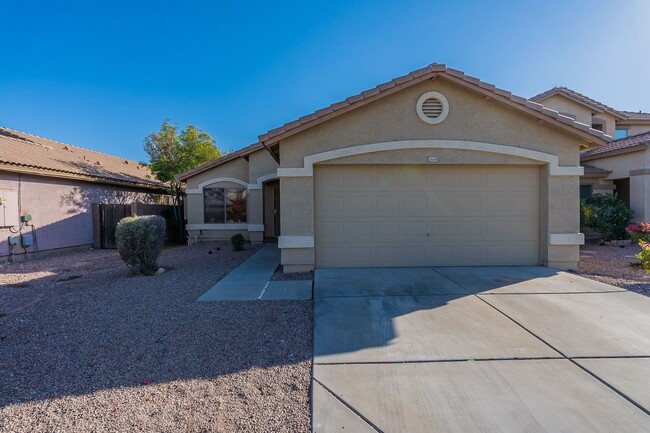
(566,239)
(260,181)
(552,160)
(199,188)
(295,242)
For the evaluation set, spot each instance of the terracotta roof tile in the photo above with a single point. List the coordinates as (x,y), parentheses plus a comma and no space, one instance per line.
(21,149)
(594,170)
(579,97)
(620,144)
(636,115)
(412,78)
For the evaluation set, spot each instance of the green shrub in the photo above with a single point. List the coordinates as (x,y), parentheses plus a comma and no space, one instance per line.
(140,241)
(607,215)
(644,255)
(238,242)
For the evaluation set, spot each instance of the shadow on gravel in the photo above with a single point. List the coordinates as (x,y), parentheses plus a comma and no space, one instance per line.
(95,326)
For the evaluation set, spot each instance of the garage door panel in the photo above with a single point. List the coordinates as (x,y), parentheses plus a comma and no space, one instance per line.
(427,216)
(440,204)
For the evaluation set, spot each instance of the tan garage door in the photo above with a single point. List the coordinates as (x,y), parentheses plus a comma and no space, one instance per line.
(411,215)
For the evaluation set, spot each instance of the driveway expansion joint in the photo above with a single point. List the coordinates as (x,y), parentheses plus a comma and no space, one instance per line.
(599,379)
(349,406)
(430,361)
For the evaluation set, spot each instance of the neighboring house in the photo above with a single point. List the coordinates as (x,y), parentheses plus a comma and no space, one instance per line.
(432,168)
(56,183)
(622,166)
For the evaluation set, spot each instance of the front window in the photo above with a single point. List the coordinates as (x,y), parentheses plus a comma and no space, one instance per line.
(586,192)
(621,133)
(224,205)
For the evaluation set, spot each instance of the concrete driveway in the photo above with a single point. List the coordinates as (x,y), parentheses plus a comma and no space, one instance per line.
(502,349)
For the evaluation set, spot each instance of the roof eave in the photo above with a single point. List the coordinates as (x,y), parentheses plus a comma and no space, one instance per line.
(614,152)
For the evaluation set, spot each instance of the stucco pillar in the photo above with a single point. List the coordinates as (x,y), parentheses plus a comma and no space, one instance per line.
(562,229)
(297,223)
(639,194)
(254,215)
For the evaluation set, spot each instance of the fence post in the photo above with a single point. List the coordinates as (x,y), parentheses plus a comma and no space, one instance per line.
(97,226)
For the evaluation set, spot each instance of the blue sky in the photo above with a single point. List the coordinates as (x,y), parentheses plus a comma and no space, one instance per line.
(102,75)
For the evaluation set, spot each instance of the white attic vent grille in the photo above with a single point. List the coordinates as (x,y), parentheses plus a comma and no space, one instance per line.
(432,108)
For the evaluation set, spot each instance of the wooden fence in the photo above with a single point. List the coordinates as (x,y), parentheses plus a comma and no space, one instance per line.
(106,217)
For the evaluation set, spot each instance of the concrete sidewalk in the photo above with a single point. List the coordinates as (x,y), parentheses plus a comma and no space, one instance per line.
(251,281)
(478,349)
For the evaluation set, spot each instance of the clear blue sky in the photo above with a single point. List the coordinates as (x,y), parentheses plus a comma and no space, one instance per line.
(103,75)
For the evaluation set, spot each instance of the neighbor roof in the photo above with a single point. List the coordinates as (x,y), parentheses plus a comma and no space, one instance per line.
(599,106)
(622,144)
(590,169)
(53,158)
(434,70)
(636,115)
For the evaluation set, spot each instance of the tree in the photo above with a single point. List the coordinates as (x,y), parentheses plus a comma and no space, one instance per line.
(172,152)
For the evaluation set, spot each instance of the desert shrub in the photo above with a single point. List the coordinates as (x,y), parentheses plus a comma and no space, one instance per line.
(238,242)
(639,232)
(140,241)
(644,255)
(607,215)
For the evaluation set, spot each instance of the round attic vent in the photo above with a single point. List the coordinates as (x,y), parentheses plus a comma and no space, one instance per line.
(432,108)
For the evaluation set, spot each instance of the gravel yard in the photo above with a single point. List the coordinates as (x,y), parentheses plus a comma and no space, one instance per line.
(86,345)
(611,265)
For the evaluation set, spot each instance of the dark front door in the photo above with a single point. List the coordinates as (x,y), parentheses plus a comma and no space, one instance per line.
(276,210)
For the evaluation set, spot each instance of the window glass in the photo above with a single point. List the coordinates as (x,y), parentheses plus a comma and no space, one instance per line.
(213,206)
(586,192)
(621,133)
(236,205)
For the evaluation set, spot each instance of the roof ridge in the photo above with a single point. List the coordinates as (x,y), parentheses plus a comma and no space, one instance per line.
(72,145)
(578,95)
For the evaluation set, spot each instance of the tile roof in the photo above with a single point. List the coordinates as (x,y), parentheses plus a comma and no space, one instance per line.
(399,83)
(227,157)
(630,142)
(590,169)
(50,157)
(578,96)
(636,115)
(415,77)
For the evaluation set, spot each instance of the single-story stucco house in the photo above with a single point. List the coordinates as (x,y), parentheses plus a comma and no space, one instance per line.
(55,184)
(622,166)
(434,168)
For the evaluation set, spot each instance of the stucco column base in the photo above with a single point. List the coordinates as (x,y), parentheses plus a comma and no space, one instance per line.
(256,237)
(563,257)
(297,260)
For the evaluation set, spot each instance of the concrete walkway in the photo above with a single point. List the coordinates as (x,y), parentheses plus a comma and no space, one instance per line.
(478,349)
(251,281)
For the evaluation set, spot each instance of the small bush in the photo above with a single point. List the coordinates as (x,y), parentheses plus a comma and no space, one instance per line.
(140,241)
(639,232)
(607,215)
(644,255)
(238,242)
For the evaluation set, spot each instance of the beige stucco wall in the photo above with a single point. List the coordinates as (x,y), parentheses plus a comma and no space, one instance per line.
(259,164)
(564,105)
(621,165)
(471,117)
(610,123)
(634,128)
(236,168)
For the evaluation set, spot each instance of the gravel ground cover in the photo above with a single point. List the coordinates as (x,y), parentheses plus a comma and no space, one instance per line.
(278,275)
(86,345)
(611,265)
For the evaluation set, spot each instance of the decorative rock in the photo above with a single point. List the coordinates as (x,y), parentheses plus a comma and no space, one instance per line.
(160,271)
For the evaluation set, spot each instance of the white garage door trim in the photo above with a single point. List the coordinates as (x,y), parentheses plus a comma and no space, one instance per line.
(552,160)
